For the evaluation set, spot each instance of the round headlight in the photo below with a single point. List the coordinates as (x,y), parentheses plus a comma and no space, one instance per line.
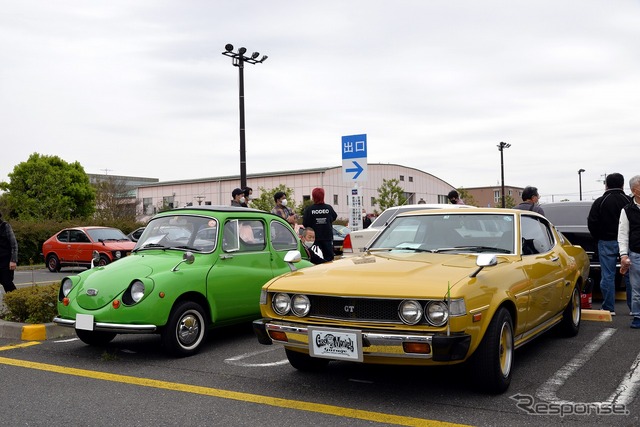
(67,284)
(137,291)
(300,305)
(117,254)
(410,312)
(437,313)
(281,303)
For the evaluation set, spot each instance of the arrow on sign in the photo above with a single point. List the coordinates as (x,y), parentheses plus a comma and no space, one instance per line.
(358,169)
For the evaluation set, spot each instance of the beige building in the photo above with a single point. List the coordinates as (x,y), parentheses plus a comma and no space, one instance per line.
(217,191)
(489,197)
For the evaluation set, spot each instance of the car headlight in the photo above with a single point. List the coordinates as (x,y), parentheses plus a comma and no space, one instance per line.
(410,312)
(137,291)
(67,284)
(437,313)
(281,303)
(300,305)
(117,254)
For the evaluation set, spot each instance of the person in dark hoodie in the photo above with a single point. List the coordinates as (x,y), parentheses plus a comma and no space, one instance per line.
(320,217)
(602,221)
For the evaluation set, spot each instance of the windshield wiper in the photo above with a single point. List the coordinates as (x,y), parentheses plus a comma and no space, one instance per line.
(409,248)
(151,246)
(189,248)
(473,248)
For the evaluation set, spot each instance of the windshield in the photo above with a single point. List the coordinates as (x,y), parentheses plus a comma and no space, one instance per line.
(101,234)
(193,233)
(449,233)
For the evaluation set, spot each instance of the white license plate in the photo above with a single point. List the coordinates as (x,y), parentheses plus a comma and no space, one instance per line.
(342,344)
(84,322)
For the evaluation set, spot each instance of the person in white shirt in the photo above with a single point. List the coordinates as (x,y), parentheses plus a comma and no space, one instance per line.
(629,244)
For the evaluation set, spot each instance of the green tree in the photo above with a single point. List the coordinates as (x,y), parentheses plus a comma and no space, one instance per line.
(114,200)
(47,187)
(265,202)
(467,197)
(390,194)
(508,202)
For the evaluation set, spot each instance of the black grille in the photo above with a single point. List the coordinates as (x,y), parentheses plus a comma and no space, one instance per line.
(357,309)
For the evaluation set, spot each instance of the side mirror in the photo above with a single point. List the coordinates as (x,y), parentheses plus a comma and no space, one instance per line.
(187,257)
(484,260)
(95,258)
(292,257)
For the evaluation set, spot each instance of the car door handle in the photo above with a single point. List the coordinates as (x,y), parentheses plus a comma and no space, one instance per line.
(226,256)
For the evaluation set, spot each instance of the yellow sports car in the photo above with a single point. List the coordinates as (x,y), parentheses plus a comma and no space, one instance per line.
(435,287)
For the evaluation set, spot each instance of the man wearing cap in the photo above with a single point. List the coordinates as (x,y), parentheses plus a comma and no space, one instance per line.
(237,197)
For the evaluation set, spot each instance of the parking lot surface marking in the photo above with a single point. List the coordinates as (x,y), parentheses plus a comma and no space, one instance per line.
(624,394)
(21,345)
(237,360)
(338,411)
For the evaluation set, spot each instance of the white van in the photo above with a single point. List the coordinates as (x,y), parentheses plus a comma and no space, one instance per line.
(356,241)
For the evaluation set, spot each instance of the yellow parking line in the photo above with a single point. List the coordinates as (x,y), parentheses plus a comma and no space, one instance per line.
(233,395)
(13,346)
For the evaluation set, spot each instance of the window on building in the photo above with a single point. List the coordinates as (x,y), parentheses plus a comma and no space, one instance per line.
(207,203)
(401,177)
(496,196)
(443,199)
(335,199)
(410,179)
(510,192)
(167,202)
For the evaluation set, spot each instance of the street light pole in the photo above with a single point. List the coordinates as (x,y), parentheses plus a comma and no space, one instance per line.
(580,181)
(501,148)
(238,60)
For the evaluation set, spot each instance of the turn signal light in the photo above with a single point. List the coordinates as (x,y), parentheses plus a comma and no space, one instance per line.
(116,303)
(65,301)
(416,347)
(278,336)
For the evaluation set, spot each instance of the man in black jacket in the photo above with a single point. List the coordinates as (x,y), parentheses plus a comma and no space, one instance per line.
(603,225)
(8,255)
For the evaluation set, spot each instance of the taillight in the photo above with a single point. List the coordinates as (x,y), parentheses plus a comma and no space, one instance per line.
(346,245)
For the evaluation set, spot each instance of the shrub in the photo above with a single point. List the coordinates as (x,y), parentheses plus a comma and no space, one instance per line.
(34,304)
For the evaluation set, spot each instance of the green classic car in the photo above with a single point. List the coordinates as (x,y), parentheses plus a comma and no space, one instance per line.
(192,269)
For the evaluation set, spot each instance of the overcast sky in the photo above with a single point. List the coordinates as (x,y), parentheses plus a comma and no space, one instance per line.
(140,88)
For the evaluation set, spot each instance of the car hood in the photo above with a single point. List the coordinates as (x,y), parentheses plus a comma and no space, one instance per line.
(391,275)
(119,245)
(111,280)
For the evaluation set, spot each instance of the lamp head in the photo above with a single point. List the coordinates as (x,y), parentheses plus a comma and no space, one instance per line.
(264,58)
(242,50)
(254,55)
(229,47)
(580,171)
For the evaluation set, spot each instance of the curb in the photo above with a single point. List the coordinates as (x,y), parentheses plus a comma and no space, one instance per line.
(34,332)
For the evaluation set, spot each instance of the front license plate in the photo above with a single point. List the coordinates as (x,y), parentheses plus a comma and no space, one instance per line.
(343,344)
(84,322)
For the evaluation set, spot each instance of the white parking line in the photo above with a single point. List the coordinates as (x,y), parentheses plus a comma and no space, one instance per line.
(624,394)
(237,359)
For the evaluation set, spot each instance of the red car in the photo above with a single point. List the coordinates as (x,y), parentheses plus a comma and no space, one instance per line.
(73,247)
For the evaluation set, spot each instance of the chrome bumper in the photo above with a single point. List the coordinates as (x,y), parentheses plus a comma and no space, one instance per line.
(110,327)
(375,344)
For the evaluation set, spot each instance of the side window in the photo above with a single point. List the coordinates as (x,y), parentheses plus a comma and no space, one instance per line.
(282,237)
(63,236)
(243,236)
(536,236)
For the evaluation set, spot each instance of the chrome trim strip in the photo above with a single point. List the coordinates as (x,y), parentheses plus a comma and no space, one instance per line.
(387,344)
(110,327)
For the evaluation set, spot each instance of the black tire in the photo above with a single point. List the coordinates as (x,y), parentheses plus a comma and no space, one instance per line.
(492,361)
(104,260)
(95,338)
(186,329)
(53,263)
(572,315)
(304,362)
